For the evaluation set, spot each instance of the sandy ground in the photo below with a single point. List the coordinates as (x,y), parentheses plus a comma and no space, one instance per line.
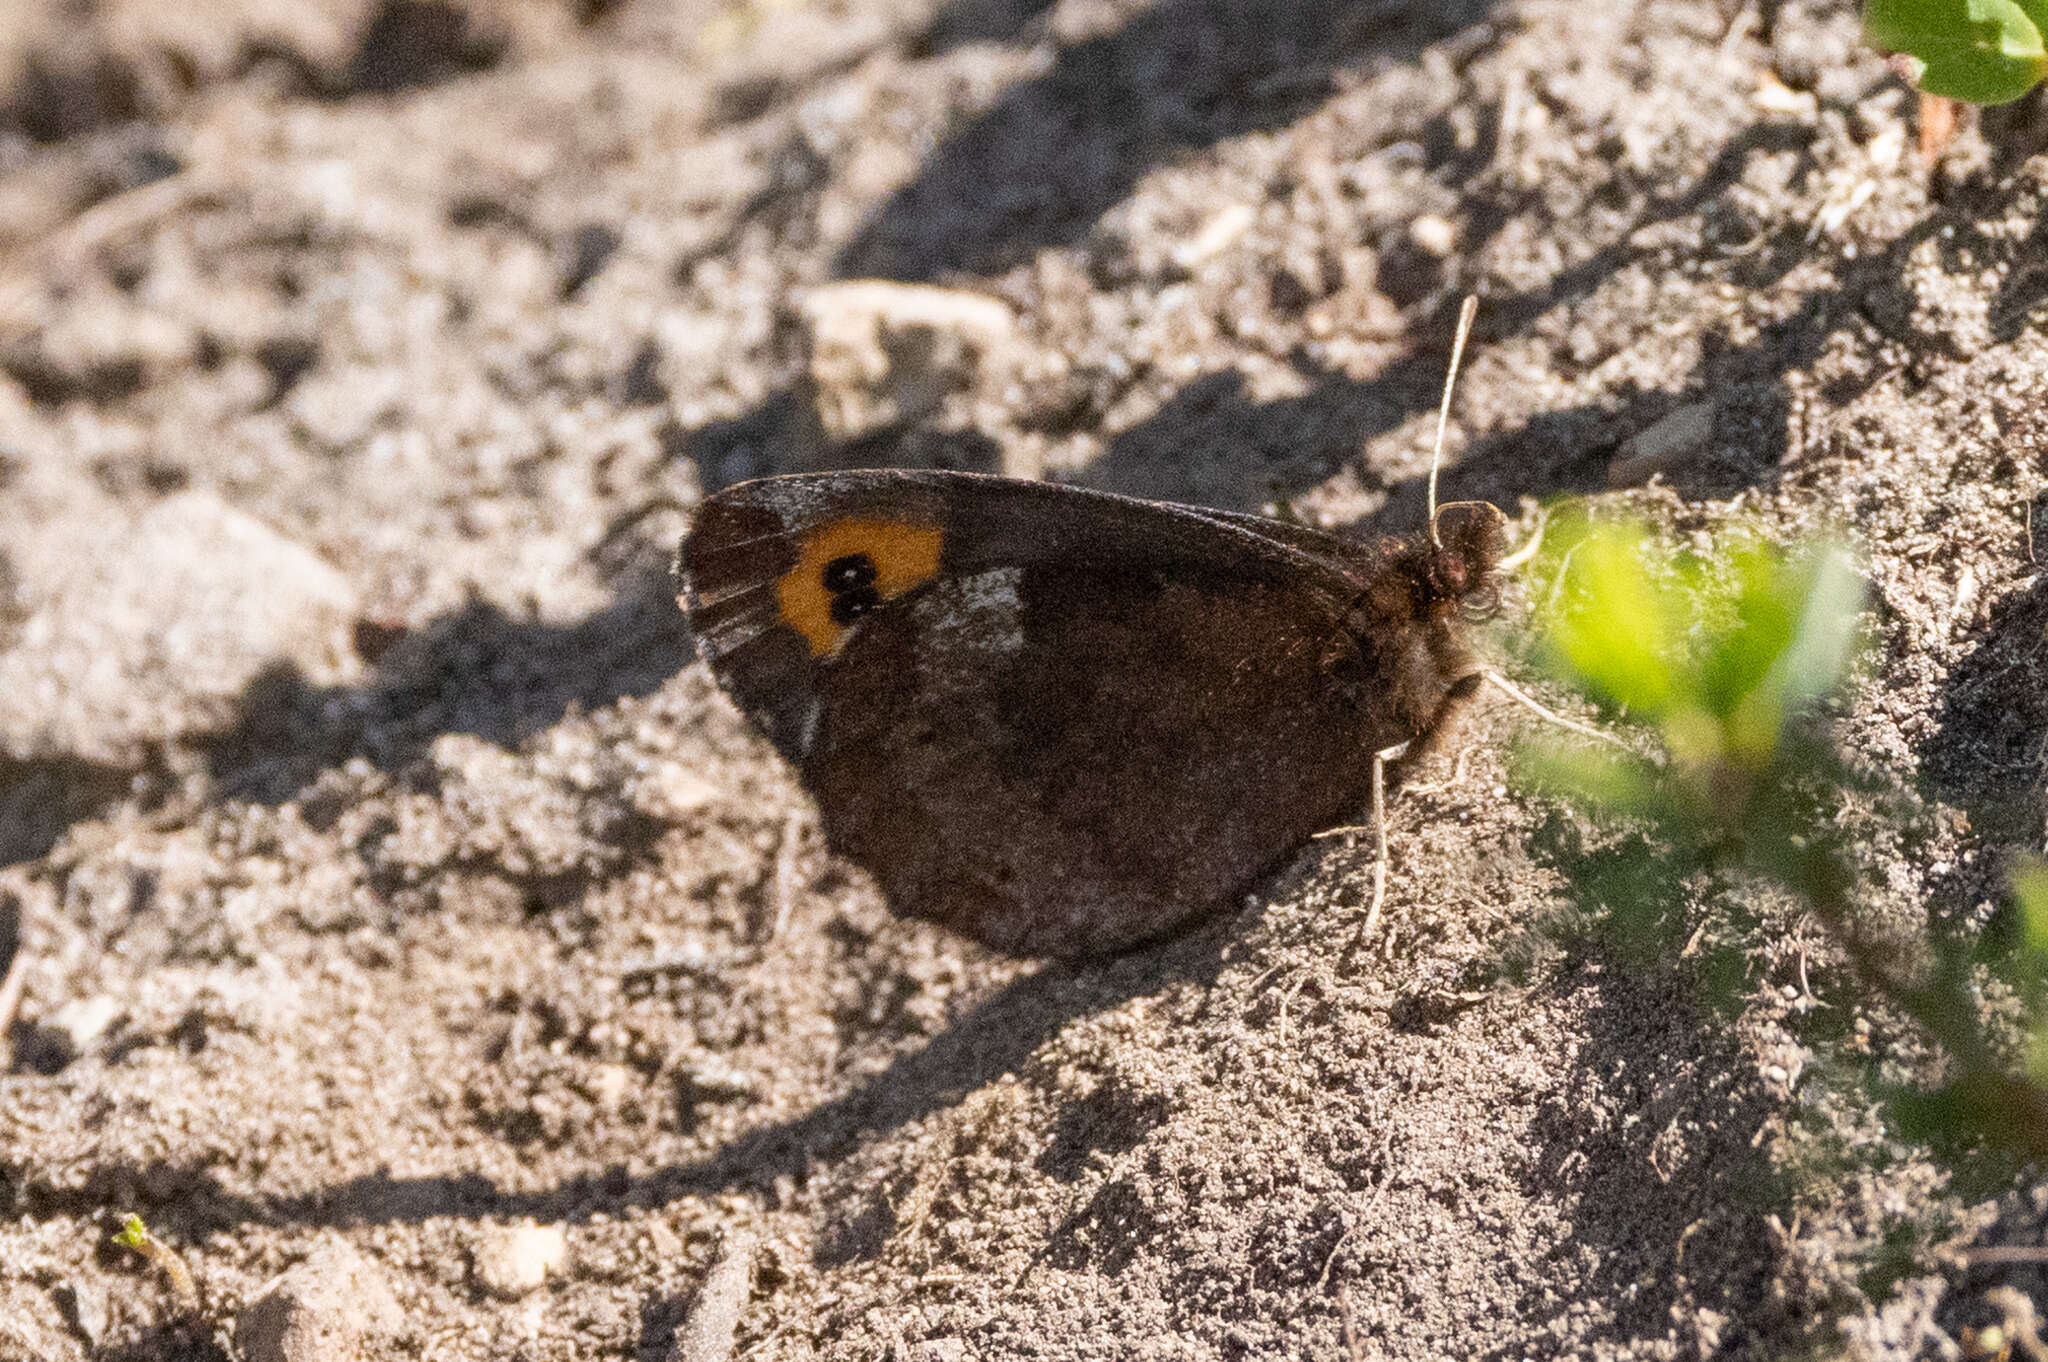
(388,877)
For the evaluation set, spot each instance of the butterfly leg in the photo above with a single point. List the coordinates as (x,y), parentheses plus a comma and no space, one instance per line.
(1399,750)
(1521,697)
(1379,829)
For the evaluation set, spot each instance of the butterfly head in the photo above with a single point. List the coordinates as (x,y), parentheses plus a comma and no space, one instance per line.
(1466,542)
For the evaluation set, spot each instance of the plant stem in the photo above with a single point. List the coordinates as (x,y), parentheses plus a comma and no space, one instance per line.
(2015,1107)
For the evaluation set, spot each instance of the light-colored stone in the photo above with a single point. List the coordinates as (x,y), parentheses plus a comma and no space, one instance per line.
(138,625)
(336,1306)
(711,1077)
(885,354)
(511,1260)
(1434,235)
(1215,236)
(609,1085)
(680,791)
(1773,96)
(1663,444)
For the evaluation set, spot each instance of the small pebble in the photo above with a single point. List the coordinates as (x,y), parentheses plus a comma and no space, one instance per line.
(714,1080)
(1214,236)
(71,1030)
(609,1084)
(681,791)
(1434,235)
(511,1260)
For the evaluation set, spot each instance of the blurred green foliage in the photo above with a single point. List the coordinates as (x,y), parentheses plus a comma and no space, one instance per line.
(2029,973)
(1980,51)
(1727,654)
(1717,653)
(1722,655)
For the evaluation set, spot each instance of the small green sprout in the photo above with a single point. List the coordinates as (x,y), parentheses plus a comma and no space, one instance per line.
(133,1234)
(1978,51)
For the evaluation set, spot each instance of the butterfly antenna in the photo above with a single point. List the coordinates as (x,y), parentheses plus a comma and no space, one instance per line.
(1466,313)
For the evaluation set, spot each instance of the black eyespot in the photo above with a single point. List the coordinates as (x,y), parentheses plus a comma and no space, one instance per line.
(848,606)
(849,572)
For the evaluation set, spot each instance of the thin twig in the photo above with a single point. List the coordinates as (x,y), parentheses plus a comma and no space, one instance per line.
(1379,830)
(1331,1261)
(786,871)
(1286,997)
(1354,1349)
(10,989)
(1512,99)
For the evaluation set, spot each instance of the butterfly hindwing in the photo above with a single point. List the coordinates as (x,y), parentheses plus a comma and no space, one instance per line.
(1060,721)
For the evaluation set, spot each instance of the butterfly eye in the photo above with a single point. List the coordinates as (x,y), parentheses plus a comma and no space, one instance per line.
(849,572)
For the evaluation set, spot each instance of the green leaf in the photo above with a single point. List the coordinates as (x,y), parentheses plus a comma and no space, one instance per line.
(1736,661)
(1594,781)
(1829,629)
(1615,632)
(1982,51)
(2030,892)
(1719,651)
(1808,623)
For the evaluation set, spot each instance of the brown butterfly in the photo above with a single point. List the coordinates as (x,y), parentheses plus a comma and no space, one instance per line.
(1065,722)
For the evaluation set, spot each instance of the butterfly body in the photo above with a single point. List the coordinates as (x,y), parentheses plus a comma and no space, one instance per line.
(1066,722)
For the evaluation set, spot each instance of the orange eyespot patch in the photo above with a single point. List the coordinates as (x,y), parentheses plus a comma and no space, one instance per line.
(846,566)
